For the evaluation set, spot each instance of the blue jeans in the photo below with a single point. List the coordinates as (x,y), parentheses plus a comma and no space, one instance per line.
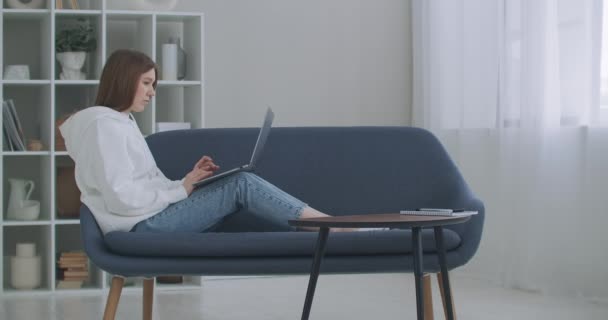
(207,206)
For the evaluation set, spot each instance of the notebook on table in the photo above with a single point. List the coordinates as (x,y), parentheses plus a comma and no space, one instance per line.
(257,151)
(439,212)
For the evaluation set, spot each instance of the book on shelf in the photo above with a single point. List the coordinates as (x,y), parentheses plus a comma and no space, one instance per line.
(73,266)
(73,273)
(73,259)
(7,144)
(12,130)
(73,254)
(72,3)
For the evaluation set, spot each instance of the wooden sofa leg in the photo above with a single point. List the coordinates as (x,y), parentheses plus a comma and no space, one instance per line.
(148,298)
(113,297)
(428,297)
(445,311)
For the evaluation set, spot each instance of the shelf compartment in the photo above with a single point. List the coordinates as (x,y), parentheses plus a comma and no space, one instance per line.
(130,31)
(67,238)
(32,104)
(94,60)
(36,169)
(179,104)
(38,235)
(69,99)
(34,33)
(189,30)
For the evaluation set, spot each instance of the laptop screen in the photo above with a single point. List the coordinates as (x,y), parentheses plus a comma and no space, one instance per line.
(264,131)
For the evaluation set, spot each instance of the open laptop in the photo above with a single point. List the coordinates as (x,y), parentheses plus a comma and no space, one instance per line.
(257,151)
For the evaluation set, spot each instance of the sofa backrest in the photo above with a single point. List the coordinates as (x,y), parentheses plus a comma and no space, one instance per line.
(338,170)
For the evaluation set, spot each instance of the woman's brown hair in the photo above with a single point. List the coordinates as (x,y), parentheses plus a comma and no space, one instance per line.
(120,77)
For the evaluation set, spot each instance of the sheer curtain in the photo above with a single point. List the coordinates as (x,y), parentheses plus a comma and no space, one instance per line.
(511,87)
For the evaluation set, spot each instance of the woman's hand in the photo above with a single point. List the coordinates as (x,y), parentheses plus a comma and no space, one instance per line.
(206,163)
(204,168)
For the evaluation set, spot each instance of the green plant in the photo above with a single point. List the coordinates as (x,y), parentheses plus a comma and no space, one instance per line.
(78,37)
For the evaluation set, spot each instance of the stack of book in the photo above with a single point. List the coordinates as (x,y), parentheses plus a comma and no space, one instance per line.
(14,140)
(73,269)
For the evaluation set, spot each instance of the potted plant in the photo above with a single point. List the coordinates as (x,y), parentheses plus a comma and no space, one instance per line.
(72,44)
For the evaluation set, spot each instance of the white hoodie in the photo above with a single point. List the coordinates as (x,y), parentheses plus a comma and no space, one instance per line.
(115,170)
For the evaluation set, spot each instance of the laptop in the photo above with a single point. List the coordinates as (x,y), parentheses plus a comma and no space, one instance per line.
(257,151)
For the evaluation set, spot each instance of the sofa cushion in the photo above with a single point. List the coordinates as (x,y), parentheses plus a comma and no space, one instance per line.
(265,244)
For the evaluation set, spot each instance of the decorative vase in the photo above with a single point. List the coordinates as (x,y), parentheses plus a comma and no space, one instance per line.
(68,194)
(25,267)
(71,63)
(20,207)
(174,60)
(169,65)
(25,4)
(181,61)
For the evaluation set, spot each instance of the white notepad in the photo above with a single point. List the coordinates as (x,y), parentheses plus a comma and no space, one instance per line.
(438,212)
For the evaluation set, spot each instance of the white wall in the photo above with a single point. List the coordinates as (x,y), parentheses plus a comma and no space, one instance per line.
(315,62)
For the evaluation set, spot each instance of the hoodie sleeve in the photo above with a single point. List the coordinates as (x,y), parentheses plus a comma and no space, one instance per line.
(170,183)
(113,169)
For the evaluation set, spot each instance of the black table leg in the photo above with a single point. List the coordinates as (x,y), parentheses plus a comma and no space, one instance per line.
(447,292)
(314,273)
(418,273)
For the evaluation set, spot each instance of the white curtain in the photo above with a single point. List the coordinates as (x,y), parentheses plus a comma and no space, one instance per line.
(511,87)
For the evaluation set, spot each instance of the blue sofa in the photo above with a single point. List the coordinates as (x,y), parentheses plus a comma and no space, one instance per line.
(338,170)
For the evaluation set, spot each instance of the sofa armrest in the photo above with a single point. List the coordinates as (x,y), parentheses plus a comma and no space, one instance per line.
(470,232)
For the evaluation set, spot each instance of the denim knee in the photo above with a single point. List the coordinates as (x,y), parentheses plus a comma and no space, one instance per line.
(246,176)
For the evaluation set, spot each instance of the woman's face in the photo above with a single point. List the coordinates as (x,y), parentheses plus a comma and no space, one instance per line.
(145,92)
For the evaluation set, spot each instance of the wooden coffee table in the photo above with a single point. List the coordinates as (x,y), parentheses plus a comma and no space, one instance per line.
(390,220)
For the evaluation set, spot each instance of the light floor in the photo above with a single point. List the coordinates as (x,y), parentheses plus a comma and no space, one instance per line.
(353,297)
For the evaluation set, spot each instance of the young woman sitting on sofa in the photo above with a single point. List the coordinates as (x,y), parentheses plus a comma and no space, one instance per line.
(119,179)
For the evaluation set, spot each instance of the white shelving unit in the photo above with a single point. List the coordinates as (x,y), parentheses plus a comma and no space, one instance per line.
(43,99)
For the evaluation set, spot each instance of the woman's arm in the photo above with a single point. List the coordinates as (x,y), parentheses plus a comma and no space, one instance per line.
(113,174)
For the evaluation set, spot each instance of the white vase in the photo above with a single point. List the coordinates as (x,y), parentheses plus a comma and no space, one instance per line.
(71,63)
(25,267)
(169,64)
(19,195)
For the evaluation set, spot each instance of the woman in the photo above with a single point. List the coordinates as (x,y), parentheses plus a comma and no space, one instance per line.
(119,179)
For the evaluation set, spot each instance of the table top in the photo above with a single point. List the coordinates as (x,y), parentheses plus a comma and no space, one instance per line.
(381,220)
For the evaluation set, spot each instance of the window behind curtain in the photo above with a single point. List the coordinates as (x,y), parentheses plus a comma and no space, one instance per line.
(604,68)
